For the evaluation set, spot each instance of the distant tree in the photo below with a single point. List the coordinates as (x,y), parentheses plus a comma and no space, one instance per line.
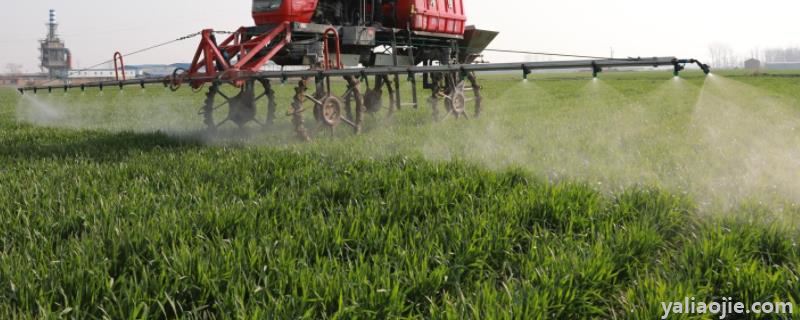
(722,56)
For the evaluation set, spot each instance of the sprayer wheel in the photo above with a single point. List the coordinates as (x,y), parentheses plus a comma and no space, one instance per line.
(458,100)
(330,111)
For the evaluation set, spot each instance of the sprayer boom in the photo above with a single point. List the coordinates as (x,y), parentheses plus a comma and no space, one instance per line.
(525,67)
(453,84)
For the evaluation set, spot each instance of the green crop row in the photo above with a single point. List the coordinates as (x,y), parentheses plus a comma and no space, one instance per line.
(100,220)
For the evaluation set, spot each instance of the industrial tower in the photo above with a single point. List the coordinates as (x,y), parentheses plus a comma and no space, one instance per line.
(56,58)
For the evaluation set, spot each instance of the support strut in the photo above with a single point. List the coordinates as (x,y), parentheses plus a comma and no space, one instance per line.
(356,92)
(476,90)
(394,93)
(271,104)
(208,108)
(297,110)
(434,99)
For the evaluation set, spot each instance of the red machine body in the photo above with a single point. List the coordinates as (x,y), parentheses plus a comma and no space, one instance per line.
(436,16)
(288,32)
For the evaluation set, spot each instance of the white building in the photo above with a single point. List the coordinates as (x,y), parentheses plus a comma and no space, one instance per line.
(100,74)
(782,65)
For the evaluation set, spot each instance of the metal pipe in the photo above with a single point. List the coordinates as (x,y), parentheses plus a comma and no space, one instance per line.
(413,78)
(118,55)
(396,92)
(325,50)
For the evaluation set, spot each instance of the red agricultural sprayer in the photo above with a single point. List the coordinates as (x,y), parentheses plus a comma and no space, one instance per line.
(354,40)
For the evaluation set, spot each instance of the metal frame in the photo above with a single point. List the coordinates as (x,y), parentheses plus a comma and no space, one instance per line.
(212,60)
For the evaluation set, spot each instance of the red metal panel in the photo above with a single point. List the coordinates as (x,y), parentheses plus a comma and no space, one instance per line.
(441,16)
(289,11)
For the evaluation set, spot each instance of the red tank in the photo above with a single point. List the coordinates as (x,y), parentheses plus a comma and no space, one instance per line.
(440,16)
(278,11)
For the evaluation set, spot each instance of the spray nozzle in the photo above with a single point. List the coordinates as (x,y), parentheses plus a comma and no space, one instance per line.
(706,68)
(596,69)
(677,70)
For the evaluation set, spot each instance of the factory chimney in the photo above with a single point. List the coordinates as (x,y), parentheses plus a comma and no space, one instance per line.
(55,57)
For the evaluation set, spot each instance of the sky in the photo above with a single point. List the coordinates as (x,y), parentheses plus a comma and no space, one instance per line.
(95,29)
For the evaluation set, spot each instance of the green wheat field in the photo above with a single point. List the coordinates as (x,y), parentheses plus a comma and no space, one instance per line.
(568,199)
